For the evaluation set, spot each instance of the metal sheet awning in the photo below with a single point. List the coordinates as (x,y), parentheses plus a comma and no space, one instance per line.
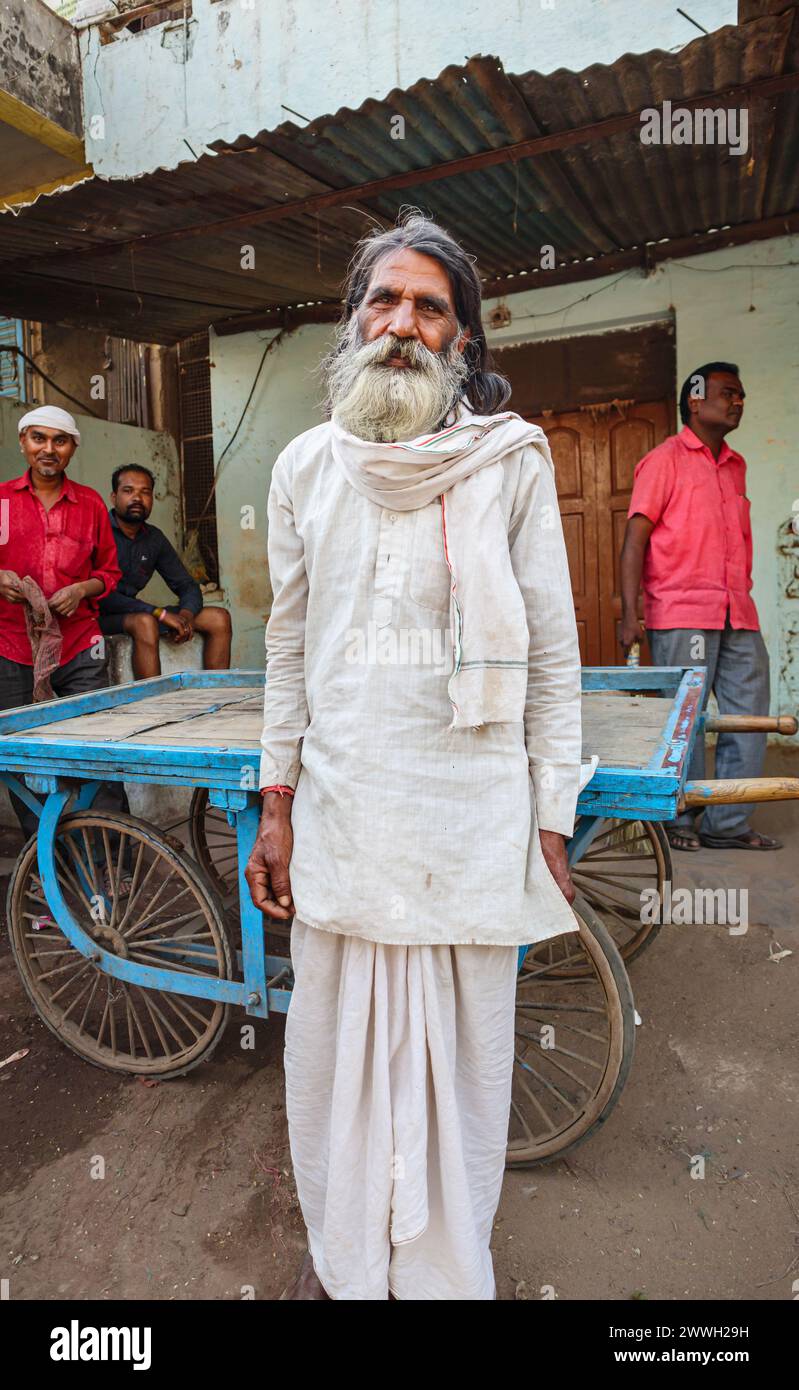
(508,163)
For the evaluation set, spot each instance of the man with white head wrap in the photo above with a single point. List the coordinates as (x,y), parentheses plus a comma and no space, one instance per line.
(54,535)
(54,418)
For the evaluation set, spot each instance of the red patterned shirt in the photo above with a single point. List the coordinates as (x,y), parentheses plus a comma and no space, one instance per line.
(68,544)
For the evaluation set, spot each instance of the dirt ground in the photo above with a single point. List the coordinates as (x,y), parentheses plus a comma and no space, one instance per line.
(198,1199)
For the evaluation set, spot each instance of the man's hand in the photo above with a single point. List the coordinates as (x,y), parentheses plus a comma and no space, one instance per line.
(10,587)
(631,564)
(630,630)
(267,871)
(553,847)
(65,601)
(183,630)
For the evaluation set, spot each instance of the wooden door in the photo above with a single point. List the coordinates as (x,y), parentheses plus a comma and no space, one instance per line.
(571,441)
(595,451)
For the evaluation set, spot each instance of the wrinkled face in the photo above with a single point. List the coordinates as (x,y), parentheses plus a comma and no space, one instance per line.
(47,452)
(400,364)
(133,499)
(723,403)
(410,296)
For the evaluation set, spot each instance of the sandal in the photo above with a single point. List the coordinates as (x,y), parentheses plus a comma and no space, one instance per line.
(680,838)
(752,840)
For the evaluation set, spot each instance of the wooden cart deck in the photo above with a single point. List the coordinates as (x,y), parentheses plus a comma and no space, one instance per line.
(203,729)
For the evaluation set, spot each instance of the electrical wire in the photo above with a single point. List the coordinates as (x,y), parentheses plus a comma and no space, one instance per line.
(87,410)
(517,318)
(271,344)
(739,265)
(635,270)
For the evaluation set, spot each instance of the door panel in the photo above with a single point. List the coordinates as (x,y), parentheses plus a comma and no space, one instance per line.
(595,453)
(620,444)
(566,447)
(572,449)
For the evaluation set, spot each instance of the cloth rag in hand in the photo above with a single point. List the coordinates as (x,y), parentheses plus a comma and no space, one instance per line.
(45,636)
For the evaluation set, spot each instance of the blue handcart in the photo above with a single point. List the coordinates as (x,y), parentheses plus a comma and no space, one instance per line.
(133,942)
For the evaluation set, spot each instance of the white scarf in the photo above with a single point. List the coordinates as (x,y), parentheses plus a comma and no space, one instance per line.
(461,465)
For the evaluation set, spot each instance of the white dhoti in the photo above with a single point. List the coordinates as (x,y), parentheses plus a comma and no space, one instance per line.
(399,1065)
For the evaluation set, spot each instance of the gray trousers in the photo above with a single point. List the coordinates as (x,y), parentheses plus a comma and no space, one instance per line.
(84,672)
(738,674)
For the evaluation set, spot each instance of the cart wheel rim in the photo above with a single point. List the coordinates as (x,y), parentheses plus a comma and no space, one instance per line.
(574,1046)
(165,916)
(624,859)
(213,842)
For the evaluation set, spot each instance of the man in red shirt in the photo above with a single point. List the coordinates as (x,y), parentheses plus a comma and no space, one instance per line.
(56,532)
(689,540)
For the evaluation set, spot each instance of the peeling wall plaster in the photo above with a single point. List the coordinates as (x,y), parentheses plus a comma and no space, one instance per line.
(247,64)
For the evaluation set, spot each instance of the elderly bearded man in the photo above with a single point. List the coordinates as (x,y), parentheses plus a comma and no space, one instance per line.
(425,841)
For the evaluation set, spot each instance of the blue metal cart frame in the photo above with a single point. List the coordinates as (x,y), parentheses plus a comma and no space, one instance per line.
(622,805)
(68,774)
(56,774)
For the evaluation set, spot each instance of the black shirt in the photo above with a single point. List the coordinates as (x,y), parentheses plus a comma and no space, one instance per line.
(148,552)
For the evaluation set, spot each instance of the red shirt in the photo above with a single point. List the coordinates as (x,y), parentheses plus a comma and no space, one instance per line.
(69,544)
(699,558)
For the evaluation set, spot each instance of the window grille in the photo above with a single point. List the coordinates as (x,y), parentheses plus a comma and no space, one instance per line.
(197,447)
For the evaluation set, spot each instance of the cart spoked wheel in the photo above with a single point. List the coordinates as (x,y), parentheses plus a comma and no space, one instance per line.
(140,899)
(214,846)
(213,842)
(574,1045)
(624,858)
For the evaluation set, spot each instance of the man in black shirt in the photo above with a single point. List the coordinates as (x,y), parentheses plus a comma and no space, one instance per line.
(142,550)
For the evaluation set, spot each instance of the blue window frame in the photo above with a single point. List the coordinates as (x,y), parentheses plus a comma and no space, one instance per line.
(12,367)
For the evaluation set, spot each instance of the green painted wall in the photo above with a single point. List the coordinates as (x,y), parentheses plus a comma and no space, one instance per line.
(286,402)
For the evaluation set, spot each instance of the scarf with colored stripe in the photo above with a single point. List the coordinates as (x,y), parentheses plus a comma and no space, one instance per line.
(460,467)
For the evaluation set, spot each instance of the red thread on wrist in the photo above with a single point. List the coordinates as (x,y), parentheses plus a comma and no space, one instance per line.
(284,791)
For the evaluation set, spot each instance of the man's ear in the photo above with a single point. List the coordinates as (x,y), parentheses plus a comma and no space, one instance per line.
(464,338)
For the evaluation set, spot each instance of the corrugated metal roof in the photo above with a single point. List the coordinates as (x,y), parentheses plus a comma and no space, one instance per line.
(588,200)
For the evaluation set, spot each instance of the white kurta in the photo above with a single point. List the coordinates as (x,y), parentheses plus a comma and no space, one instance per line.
(407,832)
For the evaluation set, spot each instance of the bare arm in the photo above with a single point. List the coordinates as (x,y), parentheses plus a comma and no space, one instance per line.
(285,706)
(636,540)
(267,871)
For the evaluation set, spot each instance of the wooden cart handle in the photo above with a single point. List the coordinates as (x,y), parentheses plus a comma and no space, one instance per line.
(751,723)
(726,792)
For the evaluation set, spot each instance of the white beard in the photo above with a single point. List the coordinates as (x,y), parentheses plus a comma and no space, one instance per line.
(376,401)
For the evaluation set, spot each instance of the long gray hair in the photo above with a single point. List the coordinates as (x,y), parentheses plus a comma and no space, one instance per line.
(486,390)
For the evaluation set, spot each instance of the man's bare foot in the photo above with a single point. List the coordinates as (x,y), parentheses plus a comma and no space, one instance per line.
(307,1285)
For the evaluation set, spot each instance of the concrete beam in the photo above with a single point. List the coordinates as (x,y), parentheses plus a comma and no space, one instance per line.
(40,63)
(41,116)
